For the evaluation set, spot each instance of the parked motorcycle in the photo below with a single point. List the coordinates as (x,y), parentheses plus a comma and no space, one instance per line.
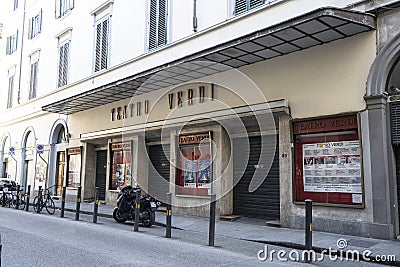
(126,203)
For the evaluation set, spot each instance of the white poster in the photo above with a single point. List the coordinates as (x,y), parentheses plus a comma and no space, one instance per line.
(332,167)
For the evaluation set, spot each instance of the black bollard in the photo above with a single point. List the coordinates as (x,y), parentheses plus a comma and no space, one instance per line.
(3,204)
(211,232)
(17,198)
(28,195)
(137,210)
(168,216)
(39,200)
(0,249)
(78,203)
(96,205)
(308,228)
(63,201)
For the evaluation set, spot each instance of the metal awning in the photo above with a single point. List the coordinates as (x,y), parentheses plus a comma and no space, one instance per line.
(312,29)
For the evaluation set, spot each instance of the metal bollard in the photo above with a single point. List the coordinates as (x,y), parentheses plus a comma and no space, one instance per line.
(137,210)
(168,216)
(3,204)
(28,195)
(17,198)
(96,205)
(78,203)
(308,228)
(63,201)
(211,232)
(39,207)
(0,249)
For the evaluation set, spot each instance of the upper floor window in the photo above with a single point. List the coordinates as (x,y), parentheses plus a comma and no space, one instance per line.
(245,5)
(33,79)
(11,45)
(35,25)
(15,4)
(63,64)
(10,91)
(63,7)
(101,44)
(158,23)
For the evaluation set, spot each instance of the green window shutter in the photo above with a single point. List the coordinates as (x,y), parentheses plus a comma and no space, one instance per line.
(240,6)
(98,48)
(8,45)
(58,9)
(40,21)
(101,53)
(153,24)
(30,29)
(162,22)
(254,3)
(158,23)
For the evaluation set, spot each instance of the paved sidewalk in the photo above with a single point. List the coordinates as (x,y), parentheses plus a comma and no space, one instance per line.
(256,230)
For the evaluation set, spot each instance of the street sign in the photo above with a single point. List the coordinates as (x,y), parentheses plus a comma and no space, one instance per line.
(39,149)
(11,151)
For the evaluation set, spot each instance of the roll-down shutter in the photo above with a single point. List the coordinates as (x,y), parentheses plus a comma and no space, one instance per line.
(159,171)
(265,201)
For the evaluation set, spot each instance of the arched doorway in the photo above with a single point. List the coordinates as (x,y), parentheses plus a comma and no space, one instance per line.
(58,142)
(382,150)
(28,158)
(4,157)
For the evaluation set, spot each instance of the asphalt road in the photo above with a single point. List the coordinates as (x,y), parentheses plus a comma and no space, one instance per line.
(31,239)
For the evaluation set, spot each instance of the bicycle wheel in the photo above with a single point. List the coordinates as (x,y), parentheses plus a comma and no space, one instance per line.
(50,206)
(37,205)
(13,201)
(22,202)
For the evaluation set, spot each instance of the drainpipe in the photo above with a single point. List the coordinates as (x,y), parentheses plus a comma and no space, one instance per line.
(20,59)
(194,15)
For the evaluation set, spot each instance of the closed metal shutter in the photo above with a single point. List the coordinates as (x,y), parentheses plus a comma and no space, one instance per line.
(101,168)
(397,149)
(159,171)
(395,122)
(265,201)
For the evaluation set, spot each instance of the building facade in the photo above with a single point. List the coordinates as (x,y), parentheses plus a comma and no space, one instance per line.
(264,103)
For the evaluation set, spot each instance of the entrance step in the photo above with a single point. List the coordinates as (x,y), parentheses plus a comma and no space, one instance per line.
(229,217)
(275,223)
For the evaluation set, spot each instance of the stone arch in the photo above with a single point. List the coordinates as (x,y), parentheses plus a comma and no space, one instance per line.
(27,168)
(382,67)
(55,130)
(6,138)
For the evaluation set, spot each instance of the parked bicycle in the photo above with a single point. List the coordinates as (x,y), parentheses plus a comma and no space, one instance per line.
(44,200)
(17,201)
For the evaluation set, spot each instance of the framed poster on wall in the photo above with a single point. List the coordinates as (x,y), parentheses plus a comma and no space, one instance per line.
(328,161)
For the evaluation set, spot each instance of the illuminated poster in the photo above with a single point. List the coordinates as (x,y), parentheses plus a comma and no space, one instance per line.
(190,173)
(203,180)
(332,167)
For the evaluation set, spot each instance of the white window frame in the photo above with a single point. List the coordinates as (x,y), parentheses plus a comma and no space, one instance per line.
(62,62)
(168,4)
(107,51)
(33,75)
(10,94)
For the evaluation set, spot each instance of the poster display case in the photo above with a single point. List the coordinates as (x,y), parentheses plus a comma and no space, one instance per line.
(328,161)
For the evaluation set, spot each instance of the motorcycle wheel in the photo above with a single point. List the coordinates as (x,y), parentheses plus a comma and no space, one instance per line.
(149,217)
(116,216)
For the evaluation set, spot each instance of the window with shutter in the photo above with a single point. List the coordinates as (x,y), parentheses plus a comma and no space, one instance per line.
(33,81)
(63,7)
(63,65)
(245,5)
(101,47)
(158,23)
(10,91)
(11,45)
(35,25)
